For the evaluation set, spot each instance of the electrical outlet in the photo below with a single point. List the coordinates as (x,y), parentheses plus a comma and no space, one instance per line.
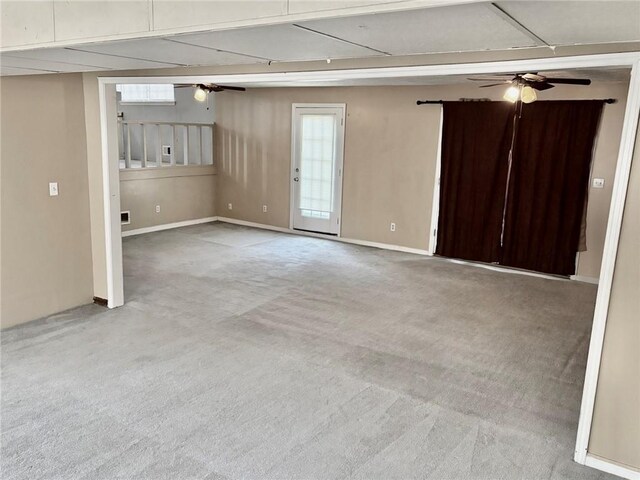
(230,206)
(392,227)
(53,189)
(264,209)
(157,208)
(598,183)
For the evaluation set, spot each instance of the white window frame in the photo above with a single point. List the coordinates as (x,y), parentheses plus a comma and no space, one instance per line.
(150,102)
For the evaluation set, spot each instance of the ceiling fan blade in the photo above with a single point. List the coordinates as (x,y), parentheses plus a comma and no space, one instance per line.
(227,87)
(570,81)
(506,78)
(494,84)
(540,85)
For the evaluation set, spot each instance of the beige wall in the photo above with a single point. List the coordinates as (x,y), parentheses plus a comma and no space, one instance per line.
(183,193)
(46,244)
(615,433)
(390,158)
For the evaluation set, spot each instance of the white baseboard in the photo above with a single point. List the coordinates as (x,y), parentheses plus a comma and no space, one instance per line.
(263,226)
(613,468)
(585,279)
(365,243)
(168,226)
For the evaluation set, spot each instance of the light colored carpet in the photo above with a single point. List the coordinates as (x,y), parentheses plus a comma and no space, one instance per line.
(249,354)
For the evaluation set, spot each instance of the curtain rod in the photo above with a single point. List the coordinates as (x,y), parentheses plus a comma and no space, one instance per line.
(436,102)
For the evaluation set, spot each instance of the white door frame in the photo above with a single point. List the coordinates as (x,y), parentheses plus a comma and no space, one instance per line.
(435,205)
(111,195)
(340,164)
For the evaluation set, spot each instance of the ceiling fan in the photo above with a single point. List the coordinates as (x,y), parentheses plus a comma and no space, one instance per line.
(203,89)
(522,86)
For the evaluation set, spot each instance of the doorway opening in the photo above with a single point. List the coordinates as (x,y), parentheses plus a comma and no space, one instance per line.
(111,192)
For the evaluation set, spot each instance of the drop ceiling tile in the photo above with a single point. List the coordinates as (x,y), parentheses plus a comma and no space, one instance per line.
(450,29)
(9,60)
(572,22)
(277,42)
(78,57)
(7,71)
(159,50)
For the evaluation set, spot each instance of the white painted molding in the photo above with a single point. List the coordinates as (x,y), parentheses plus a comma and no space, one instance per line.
(626,59)
(395,248)
(609,254)
(435,205)
(585,279)
(613,468)
(263,226)
(168,226)
(334,238)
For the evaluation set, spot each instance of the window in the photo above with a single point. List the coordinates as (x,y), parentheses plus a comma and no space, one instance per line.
(146,93)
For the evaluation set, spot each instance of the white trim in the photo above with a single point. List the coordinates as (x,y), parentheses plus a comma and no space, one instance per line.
(168,226)
(626,59)
(111,200)
(613,468)
(291,231)
(503,269)
(392,247)
(584,279)
(610,251)
(263,226)
(435,205)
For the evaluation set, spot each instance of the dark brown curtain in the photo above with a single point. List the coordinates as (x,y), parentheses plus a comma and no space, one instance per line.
(548,184)
(476,138)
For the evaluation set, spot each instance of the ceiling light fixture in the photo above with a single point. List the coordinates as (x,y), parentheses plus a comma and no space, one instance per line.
(200,94)
(528,94)
(512,94)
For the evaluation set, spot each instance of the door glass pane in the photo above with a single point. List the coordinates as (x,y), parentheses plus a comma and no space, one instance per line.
(316,174)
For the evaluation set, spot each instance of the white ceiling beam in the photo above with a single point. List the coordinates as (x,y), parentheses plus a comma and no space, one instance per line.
(479,68)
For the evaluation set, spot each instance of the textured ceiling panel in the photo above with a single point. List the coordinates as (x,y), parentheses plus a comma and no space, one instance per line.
(458,28)
(279,42)
(169,52)
(568,23)
(100,62)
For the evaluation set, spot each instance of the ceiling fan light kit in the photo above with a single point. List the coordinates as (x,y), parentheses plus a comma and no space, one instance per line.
(512,94)
(201,90)
(200,94)
(523,86)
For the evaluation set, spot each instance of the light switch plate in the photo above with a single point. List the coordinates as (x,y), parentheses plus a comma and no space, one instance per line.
(53,189)
(598,183)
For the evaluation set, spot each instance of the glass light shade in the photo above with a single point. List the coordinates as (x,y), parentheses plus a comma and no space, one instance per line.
(200,94)
(528,94)
(512,94)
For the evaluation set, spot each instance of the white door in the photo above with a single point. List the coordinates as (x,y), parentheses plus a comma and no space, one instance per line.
(316,171)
